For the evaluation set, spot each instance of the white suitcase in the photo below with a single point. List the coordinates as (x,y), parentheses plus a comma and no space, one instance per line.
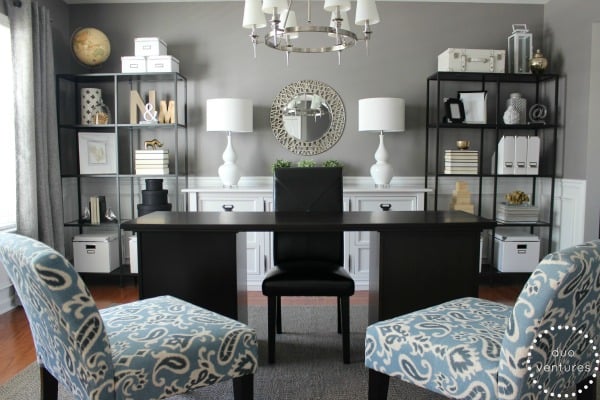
(472,60)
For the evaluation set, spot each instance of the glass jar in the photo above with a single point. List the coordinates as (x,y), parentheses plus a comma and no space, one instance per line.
(101,114)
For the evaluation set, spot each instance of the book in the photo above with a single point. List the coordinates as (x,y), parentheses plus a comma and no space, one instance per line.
(152,154)
(152,171)
(97,209)
(156,162)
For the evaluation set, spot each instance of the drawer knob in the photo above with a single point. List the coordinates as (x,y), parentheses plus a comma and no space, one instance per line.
(385,206)
(228,207)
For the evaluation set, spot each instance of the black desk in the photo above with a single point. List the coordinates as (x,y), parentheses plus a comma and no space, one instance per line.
(417,258)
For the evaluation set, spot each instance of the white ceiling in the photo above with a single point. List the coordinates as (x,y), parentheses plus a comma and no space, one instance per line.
(207,1)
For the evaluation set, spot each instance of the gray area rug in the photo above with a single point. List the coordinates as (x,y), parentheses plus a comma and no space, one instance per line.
(308,367)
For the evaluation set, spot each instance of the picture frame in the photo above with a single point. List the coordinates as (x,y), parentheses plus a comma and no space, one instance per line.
(97,153)
(475,104)
(455,111)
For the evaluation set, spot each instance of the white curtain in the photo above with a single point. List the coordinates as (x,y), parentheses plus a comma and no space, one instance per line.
(39,193)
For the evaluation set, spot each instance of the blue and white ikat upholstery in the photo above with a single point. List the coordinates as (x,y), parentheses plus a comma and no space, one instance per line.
(148,349)
(477,349)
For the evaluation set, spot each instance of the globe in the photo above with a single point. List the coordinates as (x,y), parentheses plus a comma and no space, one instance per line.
(90,46)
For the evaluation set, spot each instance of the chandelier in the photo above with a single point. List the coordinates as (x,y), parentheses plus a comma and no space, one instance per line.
(286,35)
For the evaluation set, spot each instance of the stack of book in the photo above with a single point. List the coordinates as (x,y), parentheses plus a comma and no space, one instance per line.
(461,198)
(461,162)
(152,162)
(97,209)
(517,213)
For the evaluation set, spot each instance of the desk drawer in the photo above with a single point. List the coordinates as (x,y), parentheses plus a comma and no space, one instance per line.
(404,203)
(230,205)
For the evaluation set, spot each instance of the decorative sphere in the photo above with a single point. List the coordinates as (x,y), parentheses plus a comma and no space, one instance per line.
(538,63)
(90,46)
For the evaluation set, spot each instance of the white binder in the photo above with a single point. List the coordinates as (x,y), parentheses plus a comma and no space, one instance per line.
(533,155)
(520,155)
(506,155)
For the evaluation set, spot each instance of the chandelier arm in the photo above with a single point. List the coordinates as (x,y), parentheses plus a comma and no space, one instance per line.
(349,36)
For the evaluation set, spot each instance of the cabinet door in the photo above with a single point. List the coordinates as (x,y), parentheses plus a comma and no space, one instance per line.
(358,243)
(254,246)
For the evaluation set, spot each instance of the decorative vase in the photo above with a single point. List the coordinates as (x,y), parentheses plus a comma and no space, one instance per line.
(90,97)
(511,115)
(538,63)
(101,114)
(520,105)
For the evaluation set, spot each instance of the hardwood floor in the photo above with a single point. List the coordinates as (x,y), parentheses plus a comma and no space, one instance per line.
(17,350)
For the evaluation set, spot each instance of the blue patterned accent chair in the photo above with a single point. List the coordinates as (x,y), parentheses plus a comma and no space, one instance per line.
(543,347)
(148,349)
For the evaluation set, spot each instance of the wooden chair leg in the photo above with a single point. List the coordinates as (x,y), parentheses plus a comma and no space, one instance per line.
(271,316)
(590,392)
(49,385)
(378,385)
(279,330)
(243,387)
(345,313)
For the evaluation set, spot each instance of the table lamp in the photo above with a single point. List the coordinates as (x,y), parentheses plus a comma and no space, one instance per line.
(381,114)
(229,115)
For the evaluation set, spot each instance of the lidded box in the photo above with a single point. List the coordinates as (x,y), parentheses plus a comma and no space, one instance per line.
(133,64)
(95,252)
(150,46)
(162,64)
(516,252)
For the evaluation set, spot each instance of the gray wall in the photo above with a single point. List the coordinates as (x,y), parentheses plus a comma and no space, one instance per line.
(216,56)
(574,54)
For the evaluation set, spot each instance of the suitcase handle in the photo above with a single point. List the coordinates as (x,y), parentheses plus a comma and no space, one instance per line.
(477,59)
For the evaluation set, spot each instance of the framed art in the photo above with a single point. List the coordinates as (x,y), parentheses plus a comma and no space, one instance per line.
(475,106)
(97,153)
(455,110)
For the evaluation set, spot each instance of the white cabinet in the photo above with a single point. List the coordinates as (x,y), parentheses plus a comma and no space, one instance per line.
(260,198)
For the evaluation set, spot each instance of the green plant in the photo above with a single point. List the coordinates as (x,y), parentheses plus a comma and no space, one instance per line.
(281,164)
(332,163)
(307,163)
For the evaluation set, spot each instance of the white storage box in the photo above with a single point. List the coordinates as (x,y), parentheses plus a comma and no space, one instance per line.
(150,46)
(95,252)
(472,60)
(162,64)
(516,253)
(133,255)
(133,64)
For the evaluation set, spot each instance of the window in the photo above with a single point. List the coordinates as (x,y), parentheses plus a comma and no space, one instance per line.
(8,202)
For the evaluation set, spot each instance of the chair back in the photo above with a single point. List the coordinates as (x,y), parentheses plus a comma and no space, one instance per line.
(551,324)
(309,190)
(66,326)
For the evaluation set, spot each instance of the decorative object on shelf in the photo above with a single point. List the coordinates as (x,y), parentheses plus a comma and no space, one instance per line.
(97,209)
(524,213)
(511,115)
(152,144)
(461,198)
(475,104)
(229,115)
(151,162)
(381,114)
(461,162)
(307,163)
(455,110)
(537,114)
(154,198)
(302,134)
(86,216)
(167,114)
(281,164)
(90,98)
(517,197)
(463,144)
(101,113)
(333,163)
(520,49)
(97,153)
(149,114)
(472,60)
(538,63)
(284,30)
(519,104)
(136,103)
(90,46)
(110,215)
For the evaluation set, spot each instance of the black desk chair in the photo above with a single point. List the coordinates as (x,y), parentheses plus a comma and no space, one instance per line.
(308,263)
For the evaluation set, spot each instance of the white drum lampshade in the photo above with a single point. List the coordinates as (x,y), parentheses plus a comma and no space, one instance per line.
(381,114)
(229,115)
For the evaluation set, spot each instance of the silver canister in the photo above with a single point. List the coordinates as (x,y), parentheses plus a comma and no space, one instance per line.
(520,104)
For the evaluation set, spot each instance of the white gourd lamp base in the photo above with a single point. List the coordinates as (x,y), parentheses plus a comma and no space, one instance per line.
(382,172)
(229,172)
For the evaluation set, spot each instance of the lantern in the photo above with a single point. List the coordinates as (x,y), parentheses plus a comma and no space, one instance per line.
(520,49)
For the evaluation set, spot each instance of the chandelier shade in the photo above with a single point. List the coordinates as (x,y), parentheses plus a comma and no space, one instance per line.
(286,34)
